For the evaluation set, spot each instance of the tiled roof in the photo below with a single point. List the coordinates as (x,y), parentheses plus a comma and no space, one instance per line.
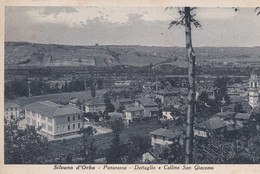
(212,124)
(125,100)
(147,102)
(226,114)
(93,102)
(11,105)
(243,116)
(135,108)
(166,133)
(51,109)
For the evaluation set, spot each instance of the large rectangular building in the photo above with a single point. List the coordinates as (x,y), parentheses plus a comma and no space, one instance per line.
(56,121)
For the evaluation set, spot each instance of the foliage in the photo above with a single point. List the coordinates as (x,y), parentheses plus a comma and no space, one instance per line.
(174,153)
(181,20)
(109,106)
(89,145)
(93,91)
(22,146)
(136,146)
(115,152)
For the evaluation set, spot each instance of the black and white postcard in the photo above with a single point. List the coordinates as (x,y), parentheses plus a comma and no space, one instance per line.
(116,88)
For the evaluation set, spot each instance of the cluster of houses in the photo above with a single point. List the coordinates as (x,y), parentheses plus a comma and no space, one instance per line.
(60,121)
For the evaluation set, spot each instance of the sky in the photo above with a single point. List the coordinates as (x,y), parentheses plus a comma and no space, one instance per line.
(221,27)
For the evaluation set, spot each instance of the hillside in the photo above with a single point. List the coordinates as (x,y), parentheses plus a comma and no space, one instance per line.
(22,54)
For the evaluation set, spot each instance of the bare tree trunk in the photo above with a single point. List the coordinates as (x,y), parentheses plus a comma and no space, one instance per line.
(191,95)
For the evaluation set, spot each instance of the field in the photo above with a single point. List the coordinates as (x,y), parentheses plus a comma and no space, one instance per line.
(58,98)
(62,148)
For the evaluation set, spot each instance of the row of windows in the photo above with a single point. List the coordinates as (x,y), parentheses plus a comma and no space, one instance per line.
(73,126)
(11,109)
(73,118)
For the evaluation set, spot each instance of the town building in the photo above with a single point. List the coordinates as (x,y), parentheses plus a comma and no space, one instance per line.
(133,112)
(167,113)
(55,120)
(163,137)
(210,127)
(95,105)
(12,111)
(150,107)
(253,91)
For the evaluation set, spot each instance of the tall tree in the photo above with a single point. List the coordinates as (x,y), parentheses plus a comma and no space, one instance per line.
(115,152)
(89,146)
(186,19)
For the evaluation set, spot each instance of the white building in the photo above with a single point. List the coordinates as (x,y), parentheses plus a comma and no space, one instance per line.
(253,91)
(12,111)
(55,120)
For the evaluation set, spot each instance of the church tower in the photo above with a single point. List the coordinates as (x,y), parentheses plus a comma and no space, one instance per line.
(253,90)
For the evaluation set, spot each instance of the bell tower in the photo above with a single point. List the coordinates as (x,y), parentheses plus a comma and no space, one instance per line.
(253,90)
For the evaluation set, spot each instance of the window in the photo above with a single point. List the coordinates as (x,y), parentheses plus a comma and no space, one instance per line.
(163,138)
(73,117)
(68,118)
(12,117)
(78,117)
(73,126)
(78,125)
(43,126)
(58,129)
(6,109)
(50,128)
(155,137)
(68,127)
(11,109)
(16,109)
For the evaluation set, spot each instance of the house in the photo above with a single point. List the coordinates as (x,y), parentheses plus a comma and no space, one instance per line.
(12,111)
(149,85)
(214,125)
(74,101)
(56,121)
(167,97)
(150,107)
(115,116)
(225,115)
(164,137)
(148,93)
(167,113)
(95,105)
(242,118)
(133,112)
(127,102)
(56,84)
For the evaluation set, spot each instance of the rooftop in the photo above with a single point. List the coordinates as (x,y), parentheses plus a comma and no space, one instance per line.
(50,109)
(135,108)
(146,101)
(212,124)
(166,133)
(94,102)
(11,105)
(243,116)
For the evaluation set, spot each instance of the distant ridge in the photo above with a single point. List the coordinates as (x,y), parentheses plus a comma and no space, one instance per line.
(22,54)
